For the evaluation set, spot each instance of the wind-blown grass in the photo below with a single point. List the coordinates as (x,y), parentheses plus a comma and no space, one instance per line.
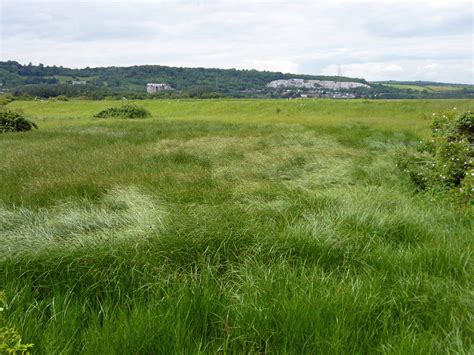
(231,233)
(122,214)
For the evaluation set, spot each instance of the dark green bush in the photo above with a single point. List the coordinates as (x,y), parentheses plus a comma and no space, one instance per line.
(11,121)
(125,111)
(465,125)
(446,161)
(5,99)
(61,98)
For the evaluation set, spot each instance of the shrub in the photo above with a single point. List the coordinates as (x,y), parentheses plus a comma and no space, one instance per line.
(11,121)
(211,95)
(61,98)
(5,99)
(446,161)
(10,340)
(199,90)
(125,111)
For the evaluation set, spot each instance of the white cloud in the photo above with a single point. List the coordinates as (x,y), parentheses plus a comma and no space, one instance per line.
(432,66)
(285,66)
(371,39)
(392,68)
(369,71)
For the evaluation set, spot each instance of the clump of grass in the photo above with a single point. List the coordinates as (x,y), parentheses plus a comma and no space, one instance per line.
(12,121)
(127,110)
(122,213)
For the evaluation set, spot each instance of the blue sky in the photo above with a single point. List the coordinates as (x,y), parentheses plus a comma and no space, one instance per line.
(375,40)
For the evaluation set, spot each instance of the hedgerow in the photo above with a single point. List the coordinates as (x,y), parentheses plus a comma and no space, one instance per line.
(12,121)
(124,111)
(446,161)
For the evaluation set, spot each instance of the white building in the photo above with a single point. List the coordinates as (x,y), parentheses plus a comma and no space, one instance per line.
(151,87)
(79,82)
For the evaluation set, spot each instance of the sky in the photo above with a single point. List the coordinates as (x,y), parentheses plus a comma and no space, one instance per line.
(375,40)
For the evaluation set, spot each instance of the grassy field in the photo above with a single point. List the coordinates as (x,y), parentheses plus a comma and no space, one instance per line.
(433,88)
(446,87)
(406,86)
(232,226)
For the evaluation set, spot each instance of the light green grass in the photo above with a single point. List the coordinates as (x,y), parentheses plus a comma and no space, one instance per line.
(447,87)
(411,116)
(406,86)
(426,88)
(230,226)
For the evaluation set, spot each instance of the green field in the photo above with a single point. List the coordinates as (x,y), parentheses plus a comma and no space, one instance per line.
(406,86)
(446,87)
(433,88)
(231,226)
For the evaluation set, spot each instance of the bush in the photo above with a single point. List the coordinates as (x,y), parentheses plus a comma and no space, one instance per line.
(5,99)
(125,111)
(62,98)
(203,92)
(10,340)
(446,161)
(211,95)
(11,121)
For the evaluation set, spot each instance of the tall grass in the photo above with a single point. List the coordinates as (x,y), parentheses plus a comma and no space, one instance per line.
(220,227)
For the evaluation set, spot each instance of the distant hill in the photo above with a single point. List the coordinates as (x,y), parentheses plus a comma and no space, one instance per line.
(50,81)
(135,78)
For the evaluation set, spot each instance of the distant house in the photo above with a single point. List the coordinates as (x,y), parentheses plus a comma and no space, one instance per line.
(152,87)
(79,82)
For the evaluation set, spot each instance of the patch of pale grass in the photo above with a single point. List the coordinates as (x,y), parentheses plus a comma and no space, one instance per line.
(299,159)
(122,213)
